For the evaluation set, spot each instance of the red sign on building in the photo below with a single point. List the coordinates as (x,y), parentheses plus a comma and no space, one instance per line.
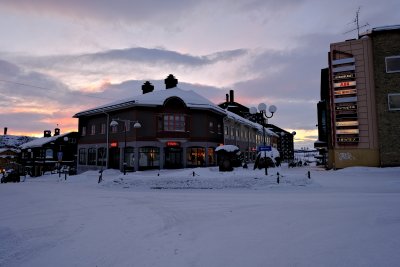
(173,144)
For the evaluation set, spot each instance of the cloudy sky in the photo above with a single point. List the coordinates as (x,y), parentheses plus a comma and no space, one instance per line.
(61,57)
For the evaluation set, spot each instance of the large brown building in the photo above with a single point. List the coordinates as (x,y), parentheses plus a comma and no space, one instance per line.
(359,111)
(171,128)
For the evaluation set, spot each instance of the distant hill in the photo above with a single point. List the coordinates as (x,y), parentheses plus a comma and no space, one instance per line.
(14,141)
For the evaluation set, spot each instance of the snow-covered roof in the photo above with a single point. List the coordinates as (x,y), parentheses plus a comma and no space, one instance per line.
(228,148)
(157,98)
(249,123)
(382,28)
(272,154)
(2,150)
(41,141)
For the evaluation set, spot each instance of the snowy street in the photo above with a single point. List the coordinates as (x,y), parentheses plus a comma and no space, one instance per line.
(349,217)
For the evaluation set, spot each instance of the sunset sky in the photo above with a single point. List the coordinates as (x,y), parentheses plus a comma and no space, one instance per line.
(61,57)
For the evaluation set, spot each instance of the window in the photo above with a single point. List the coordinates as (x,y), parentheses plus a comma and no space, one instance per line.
(211,156)
(195,156)
(394,101)
(82,156)
(149,157)
(219,128)
(129,157)
(114,129)
(127,126)
(226,130)
(211,127)
(92,156)
(101,156)
(392,64)
(84,131)
(49,153)
(174,122)
(103,128)
(93,130)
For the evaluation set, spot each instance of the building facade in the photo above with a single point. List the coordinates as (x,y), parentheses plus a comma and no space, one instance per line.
(285,144)
(49,152)
(171,128)
(361,113)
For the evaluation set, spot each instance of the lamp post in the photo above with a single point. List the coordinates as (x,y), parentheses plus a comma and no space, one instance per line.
(261,116)
(136,125)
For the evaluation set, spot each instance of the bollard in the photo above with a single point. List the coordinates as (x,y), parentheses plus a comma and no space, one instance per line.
(194,174)
(277,179)
(309,175)
(65,173)
(100,176)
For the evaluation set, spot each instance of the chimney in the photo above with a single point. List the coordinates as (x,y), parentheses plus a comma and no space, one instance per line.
(170,82)
(147,87)
(56,131)
(47,133)
(231,96)
(227,98)
(5,130)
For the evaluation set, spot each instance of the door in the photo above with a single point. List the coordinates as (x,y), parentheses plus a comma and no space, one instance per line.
(114,158)
(173,158)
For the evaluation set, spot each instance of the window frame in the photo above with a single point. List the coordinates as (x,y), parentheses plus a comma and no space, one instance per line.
(389,107)
(82,156)
(386,65)
(92,156)
(174,122)
(93,129)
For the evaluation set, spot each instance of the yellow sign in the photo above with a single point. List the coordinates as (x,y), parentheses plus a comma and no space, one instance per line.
(347,131)
(347,123)
(346,92)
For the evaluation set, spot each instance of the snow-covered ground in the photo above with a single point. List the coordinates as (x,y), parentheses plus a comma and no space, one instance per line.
(349,217)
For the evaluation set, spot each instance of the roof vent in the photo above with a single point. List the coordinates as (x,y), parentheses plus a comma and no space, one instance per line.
(171,82)
(147,87)
(47,133)
(231,95)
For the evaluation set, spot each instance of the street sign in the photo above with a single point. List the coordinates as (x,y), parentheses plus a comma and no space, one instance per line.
(264,148)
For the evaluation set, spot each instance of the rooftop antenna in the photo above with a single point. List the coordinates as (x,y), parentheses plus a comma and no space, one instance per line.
(356,21)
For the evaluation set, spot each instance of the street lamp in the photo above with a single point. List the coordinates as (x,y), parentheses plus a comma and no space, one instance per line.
(261,116)
(136,125)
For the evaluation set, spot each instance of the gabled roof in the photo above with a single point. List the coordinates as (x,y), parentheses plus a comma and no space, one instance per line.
(6,149)
(42,141)
(156,98)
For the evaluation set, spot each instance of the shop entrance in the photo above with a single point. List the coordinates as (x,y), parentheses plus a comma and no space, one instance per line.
(114,158)
(173,158)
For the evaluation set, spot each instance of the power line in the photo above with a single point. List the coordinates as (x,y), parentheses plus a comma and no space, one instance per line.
(356,22)
(48,89)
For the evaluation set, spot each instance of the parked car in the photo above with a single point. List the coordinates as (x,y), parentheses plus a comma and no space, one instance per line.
(10,176)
